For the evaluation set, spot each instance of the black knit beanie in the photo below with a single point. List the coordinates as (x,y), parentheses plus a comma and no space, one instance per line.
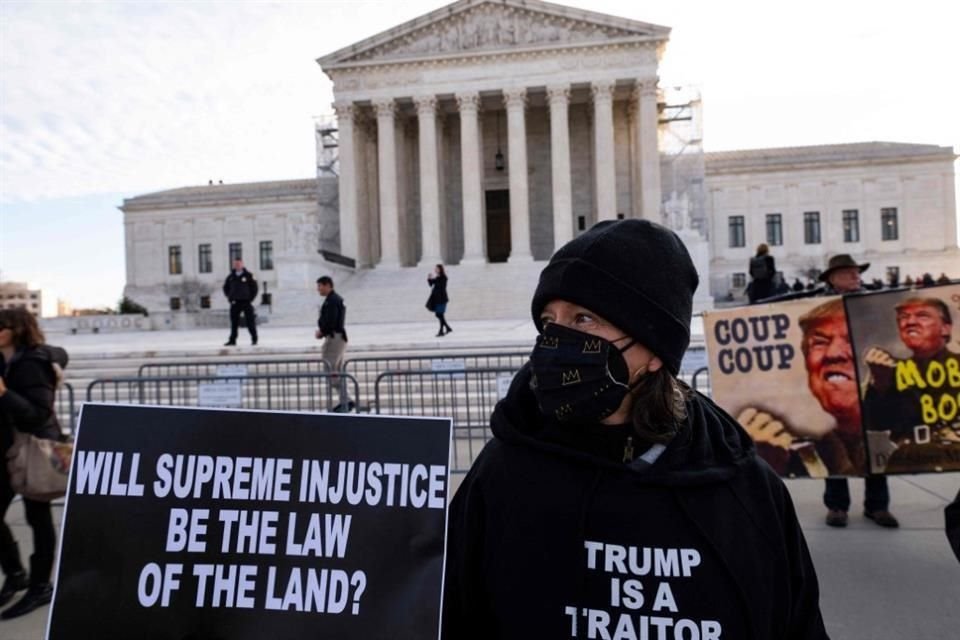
(634,273)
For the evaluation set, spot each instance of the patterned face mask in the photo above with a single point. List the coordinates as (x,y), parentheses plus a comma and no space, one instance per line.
(578,377)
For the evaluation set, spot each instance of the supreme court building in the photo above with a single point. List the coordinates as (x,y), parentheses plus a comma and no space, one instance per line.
(484,135)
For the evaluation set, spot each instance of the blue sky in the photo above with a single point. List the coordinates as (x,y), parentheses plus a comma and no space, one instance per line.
(105,100)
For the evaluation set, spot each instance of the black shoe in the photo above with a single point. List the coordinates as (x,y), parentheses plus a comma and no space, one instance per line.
(449,330)
(836,518)
(36,596)
(229,343)
(253,343)
(441,334)
(883,518)
(14,582)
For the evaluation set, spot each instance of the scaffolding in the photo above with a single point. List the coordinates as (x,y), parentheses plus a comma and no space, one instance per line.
(682,165)
(328,164)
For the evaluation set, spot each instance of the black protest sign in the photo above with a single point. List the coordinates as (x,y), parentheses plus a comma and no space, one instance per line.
(193,523)
(908,367)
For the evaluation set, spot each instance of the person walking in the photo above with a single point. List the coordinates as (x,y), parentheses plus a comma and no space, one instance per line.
(613,500)
(843,277)
(28,380)
(240,287)
(332,330)
(763,271)
(437,302)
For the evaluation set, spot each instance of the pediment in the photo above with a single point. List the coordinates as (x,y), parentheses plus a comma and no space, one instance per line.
(483,26)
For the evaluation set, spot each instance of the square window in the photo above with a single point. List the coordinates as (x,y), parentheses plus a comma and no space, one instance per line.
(205,258)
(736,231)
(266,255)
(851,225)
(811,227)
(774,229)
(175,260)
(888,224)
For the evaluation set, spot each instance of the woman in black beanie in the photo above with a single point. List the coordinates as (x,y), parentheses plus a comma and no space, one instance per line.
(613,501)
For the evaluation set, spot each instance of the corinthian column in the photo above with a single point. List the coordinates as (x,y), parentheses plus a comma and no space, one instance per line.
(473,231)
(647,121)
(387,171)
(516,102)
(559,97)
(349,227)
(606,172)
(429,182)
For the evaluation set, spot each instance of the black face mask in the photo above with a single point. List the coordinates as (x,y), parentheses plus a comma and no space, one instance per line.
(578,377)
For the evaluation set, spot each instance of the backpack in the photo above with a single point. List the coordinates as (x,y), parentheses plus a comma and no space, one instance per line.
(760,268)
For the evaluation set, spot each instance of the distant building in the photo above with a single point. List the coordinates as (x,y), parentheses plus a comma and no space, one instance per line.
(487,133)
(18,294)
(892,205)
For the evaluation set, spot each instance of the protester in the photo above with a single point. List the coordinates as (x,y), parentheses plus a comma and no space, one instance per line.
(28,380)
(951,515)
(612,497)
(240,287)
(763,271)
(843,277)
(437,302)
(797,285)
(943,279)
(331,328)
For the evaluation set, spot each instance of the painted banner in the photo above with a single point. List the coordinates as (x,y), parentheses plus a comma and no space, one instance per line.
(908,365)
(199,523)
(843,386)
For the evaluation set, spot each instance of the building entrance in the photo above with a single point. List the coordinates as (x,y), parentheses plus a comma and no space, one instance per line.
(498,225)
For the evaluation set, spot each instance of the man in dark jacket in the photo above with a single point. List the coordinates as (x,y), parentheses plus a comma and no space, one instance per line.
(843,277)
(614,501)
(331,329)
(240,287)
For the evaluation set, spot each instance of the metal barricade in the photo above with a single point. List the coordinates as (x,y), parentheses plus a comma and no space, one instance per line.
(275,392)
(65,407)
(468,396)
(702,386)
(366,370)
(232,367)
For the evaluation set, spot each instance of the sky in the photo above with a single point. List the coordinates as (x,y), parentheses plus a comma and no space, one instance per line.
(101,101)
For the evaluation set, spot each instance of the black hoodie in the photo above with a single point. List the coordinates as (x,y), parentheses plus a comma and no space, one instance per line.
(548,541)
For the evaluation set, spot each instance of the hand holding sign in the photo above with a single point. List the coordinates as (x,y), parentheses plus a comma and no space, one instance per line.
(882,368)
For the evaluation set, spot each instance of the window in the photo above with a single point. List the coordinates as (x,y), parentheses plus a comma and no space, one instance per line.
(619,216)
(174,304)
(851,225)
(266,255)
(811,227)
(175,260)
(738,237)
(236,252)
(581,223)
(739,280)
(888,221)
(204,302)
(205,258)
(774,229)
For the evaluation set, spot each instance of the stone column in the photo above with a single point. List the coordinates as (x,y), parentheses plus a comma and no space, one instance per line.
(606,170)
(349,218)
(647,122)
(559,98)
(516,103)
(387,171)
(474,234)
(429,180)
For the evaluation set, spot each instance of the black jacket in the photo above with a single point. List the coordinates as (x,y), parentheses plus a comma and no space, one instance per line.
(28,403)
(240,288)
(438,291)
(333,316)
(544,537)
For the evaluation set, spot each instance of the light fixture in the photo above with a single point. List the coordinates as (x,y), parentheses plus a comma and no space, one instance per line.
(498,159)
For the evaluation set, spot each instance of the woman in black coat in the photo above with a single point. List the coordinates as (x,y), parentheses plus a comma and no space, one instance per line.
(28,381)
(763,271)
(437,302)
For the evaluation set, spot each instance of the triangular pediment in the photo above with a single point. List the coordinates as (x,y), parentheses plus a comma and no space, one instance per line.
(483,26)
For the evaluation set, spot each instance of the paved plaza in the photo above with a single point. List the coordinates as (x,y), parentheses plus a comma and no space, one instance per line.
(876,584)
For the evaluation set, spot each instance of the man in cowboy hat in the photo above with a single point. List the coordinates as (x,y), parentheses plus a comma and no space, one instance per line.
(843,276)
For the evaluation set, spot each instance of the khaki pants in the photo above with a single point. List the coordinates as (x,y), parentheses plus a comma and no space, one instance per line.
(333,349)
